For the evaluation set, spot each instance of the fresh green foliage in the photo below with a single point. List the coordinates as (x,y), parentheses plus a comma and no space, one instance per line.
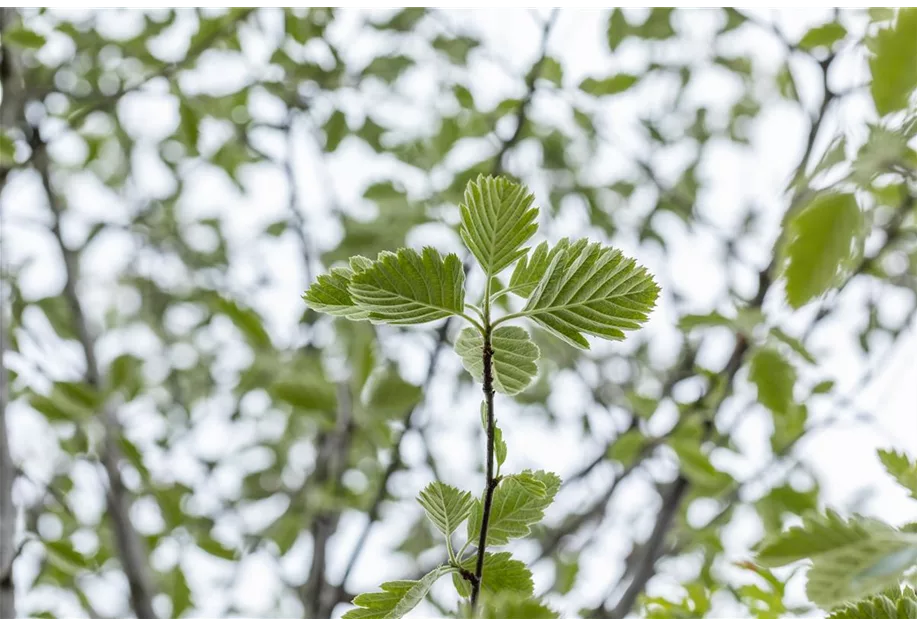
(574,288)
(774,378)
(396,599)
(892,63)
(851,558)
(515,361)
(497,219)
(821,244)
(517,505)
(902,468)
(593,289)
(896,602)
(447,507)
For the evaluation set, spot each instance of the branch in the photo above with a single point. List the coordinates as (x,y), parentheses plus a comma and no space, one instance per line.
(523,110)
(10,117)
(491,484)
(130,546)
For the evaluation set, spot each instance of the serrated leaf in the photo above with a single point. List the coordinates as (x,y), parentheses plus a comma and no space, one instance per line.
(408,287)
(515,606)
(896,602)
(820,244)
(593,289)
(894,73)
(860,570)
(774,377)
(902,468)
(330,293)
(501,574)
(499,446)
(531,268)
(825,35)
(497,220)
(609,85)
(515,357)
(514,509)
(397,597)
(819,534)
(447,507)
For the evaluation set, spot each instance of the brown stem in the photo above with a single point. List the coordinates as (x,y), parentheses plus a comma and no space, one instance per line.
(489,463)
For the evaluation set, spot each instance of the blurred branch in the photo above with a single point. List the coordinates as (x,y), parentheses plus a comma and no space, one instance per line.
(330,465)
(130,546)
(530,88)
(10,117)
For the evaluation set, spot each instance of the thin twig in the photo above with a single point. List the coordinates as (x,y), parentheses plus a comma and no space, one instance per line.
(129,545)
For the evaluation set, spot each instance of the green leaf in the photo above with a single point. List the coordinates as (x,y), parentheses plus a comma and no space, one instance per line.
(410,288)
(246,319)
(894,73)
(499,446)
(794,344)
(774,377)
(697,468)
(387,394)
(397,597)
(66,555)
(515,508)
(216,548)
(819,534)
(902,468)
(330,293)
(825,35)
(896,602)
(404,20)
(530,268)
(180,592)
(514,357)
(594,289)
(501,574)
(7,149)
(821,243)
(335,130)
(446,507)
(497,219)
(608,86)
(23,38)
(627,447)
(850,558)
(515,606)
(618,29)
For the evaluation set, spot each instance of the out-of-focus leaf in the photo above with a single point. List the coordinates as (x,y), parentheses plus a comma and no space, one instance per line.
(894,73)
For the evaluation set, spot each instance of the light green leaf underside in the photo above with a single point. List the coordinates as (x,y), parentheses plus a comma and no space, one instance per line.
(850,558)
(515,508)
(497,219)
(447,507)
(530,268)
(397,597)
(408,287)
(896,602)
(592,289)
(330,293)
(515,358)
(902,468)
(821,243)
(501,574)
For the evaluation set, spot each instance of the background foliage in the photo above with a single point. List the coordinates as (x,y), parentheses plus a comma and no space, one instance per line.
(180,437)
